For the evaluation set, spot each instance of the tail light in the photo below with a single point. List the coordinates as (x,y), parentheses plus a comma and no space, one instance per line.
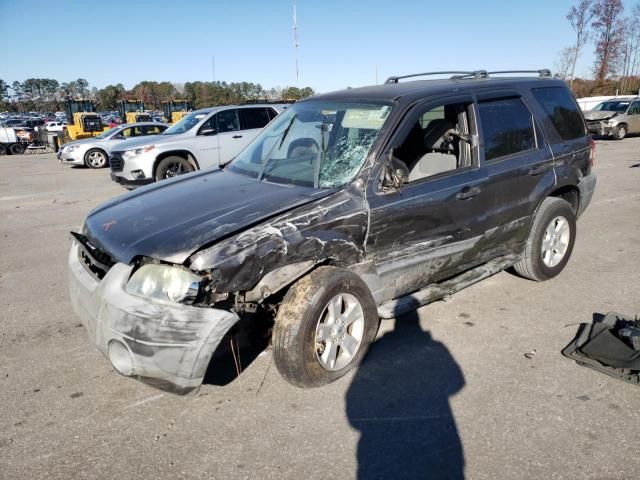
(593,152)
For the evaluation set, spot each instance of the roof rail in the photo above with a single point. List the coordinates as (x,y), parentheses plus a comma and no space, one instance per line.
(544,72)
(459,74)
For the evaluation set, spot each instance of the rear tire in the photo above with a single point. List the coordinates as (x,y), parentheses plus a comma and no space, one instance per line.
(620,132)
(324,327)
(3,149)
(550,241)
(95,158)
(172,167)
(16,149)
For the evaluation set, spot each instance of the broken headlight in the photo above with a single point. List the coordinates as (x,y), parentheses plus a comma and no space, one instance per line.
(165,283)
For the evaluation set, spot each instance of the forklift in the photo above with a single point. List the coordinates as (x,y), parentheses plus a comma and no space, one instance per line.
(132,111)
(175,110)
(82,120)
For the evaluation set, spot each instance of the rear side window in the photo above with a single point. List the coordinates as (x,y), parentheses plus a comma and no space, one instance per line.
(507,127)
(562,111)
(253,118)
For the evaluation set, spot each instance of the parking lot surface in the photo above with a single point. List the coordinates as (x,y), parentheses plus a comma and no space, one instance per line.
(444,391)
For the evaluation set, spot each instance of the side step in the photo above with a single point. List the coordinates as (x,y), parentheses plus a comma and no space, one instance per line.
(431,293)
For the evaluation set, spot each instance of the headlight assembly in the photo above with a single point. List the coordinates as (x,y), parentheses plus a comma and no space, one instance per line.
(137,151)
(70,148)
(165,283)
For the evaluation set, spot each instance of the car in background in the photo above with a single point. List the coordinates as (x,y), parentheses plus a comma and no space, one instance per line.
(55,126)
(614,118)
(94,152)
(206,138)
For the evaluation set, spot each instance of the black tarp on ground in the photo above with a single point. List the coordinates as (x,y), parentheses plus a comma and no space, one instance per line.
(607,345)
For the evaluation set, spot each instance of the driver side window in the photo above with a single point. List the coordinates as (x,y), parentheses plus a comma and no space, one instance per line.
(433,145)
(635,108)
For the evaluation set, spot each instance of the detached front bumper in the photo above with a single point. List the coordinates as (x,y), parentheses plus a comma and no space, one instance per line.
(167,346)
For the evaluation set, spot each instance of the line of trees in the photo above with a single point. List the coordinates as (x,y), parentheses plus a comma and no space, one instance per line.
(44,94)
(616,43)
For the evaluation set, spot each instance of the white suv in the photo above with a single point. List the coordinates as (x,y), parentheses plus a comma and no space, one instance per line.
(210,137)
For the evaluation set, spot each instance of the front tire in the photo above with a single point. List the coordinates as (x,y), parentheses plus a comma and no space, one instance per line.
(550,241)
(620,132)
(172,167)
(324,327)
(95,158)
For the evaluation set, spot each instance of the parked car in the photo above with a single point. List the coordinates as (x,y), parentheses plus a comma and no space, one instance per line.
(55,126)
(205,138)
(615,118)
(94,152)
(348,207)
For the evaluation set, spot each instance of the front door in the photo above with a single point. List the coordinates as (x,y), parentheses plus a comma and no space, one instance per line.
(207,144)
(427,229)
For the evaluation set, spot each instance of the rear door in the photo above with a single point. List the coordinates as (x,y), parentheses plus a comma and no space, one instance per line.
(519,168)
(231,140)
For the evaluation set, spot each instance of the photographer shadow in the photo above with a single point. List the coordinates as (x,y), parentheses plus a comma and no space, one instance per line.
(399,402)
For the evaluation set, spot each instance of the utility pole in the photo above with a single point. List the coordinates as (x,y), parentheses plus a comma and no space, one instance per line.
(295,42)
(213,68)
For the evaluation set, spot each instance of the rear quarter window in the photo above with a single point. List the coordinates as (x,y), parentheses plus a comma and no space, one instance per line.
(562,111)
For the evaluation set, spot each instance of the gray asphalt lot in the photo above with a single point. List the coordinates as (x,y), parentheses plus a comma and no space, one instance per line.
(447,389)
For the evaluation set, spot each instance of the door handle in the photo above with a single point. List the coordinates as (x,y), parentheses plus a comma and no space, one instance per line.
(468,192)
(538,170)
(237,136)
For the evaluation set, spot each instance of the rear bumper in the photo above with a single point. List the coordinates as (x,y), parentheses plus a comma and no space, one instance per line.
(587,187)
(167,346)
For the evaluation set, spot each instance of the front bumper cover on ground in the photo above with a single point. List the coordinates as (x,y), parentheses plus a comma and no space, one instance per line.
(167,346)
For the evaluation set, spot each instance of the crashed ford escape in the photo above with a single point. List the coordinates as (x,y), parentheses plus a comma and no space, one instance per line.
(348,207)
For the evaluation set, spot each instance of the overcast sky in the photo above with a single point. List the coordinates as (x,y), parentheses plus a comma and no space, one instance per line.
(341,43)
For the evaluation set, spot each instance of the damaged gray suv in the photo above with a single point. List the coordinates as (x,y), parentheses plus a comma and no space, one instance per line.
(349,207)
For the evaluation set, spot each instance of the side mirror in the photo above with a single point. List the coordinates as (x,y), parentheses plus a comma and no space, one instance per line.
(208,131)
(395,174)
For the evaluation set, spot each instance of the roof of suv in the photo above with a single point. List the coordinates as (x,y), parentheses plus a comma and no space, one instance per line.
(249,105)
(420,88)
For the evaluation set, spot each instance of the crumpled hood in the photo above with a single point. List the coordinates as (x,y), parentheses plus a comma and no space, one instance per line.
(598,114)
(174,218)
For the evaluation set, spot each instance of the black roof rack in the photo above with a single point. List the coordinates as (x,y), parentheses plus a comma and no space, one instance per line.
(544,72)
(475,74)
(459,74)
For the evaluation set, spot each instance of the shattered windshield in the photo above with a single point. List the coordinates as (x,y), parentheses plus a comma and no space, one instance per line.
(612,106)
(315,144)
(186,124)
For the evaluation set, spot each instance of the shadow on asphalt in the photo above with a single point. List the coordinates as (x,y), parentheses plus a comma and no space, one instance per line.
(399,402)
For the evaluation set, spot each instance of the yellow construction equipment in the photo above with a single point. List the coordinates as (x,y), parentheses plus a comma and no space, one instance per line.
(82,120)
(132,111)
(174,110)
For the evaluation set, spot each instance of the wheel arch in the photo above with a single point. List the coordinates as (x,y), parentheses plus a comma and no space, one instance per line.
(186,154)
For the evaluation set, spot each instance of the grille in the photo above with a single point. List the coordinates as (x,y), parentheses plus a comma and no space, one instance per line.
(116,162)
(96,262)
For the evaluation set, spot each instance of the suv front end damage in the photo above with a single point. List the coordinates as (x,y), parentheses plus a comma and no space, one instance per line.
(166,345)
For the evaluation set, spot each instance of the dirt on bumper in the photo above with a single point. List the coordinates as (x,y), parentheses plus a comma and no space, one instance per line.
(167,346)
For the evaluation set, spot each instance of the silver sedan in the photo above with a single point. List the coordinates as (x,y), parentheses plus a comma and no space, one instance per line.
(94,152)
